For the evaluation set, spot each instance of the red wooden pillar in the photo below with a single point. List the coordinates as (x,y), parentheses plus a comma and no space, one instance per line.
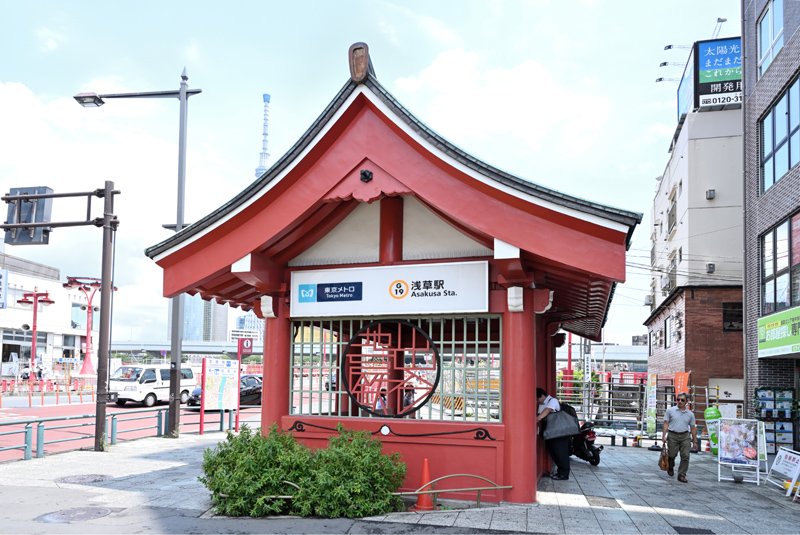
(545,378)
(519,402)
(277,342)
(391,230)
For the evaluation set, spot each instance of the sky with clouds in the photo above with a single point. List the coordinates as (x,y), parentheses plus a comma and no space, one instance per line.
(559,92)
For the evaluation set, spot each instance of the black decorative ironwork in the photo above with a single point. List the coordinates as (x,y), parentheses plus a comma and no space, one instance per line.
(481,433)
(300,427)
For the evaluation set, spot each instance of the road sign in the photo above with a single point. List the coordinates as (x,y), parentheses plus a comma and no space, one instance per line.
(245,346)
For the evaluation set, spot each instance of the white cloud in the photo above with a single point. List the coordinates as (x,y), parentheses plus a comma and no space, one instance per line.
(49,39)
(525,102)
(57,143)
(436,29)
(403,18)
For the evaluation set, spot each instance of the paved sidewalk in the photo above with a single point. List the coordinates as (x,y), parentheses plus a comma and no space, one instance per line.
(627,493)
(151,486)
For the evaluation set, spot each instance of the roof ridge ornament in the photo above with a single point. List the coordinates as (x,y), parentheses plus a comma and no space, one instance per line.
(360,62)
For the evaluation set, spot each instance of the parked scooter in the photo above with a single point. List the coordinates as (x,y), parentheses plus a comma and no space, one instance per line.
(582,445)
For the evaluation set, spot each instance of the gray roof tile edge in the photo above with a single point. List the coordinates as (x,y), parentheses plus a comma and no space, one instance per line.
(631,219)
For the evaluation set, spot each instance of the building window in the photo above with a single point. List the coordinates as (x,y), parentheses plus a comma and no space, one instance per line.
(673,273)
(668,331)
(672,215)
(780,266)
(770,34)
(732,316)
(780,137)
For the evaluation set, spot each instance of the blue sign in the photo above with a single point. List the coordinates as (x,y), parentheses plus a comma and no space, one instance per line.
(330,291)
(339,291)
(719,60)
(308,293)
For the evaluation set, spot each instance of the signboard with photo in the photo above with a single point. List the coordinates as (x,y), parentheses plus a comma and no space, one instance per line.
(738,442)
(740,448)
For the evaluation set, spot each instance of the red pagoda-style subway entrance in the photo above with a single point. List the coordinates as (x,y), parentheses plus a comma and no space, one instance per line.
(409,289)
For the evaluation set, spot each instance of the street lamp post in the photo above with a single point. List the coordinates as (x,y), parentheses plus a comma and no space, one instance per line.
(94,100)
(34,298)
(88,286)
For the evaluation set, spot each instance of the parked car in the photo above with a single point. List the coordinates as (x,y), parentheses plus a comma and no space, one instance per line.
(148,383)
(249,392)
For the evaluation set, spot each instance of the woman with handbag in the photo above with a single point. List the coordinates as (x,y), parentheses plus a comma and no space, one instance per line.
(557,447)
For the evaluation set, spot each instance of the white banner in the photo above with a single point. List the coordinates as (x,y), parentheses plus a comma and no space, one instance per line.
(383,290)
(652,404)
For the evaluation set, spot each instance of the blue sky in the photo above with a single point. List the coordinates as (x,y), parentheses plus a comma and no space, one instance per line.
(559,92)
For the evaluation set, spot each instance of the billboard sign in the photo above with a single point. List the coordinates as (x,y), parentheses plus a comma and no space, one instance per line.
(712,78)
(718,64)
(403,289)
(779,333)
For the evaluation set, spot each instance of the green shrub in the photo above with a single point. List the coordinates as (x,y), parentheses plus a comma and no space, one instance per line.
(351,478)
(245,470)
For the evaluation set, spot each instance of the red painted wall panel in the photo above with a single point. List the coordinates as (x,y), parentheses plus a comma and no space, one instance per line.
(478,457)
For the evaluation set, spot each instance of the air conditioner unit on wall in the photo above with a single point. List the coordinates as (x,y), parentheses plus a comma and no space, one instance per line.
(710,267)
(648,300)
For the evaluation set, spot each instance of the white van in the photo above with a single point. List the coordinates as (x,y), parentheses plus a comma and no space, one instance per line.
(148,383)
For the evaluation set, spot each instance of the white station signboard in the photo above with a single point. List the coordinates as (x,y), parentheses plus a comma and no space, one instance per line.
(405,289)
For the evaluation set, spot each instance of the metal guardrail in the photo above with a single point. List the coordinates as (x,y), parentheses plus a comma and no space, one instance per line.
(157,419)
(26,445)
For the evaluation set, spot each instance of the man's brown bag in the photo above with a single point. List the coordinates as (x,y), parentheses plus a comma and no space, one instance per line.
(663,460)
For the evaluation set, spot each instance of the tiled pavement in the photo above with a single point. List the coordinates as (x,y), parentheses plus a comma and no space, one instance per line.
(151,486)
(627,493)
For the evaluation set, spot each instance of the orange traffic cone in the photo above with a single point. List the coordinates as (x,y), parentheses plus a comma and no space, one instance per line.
(425,501)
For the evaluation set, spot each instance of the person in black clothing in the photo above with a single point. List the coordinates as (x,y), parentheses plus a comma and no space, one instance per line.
(558,448)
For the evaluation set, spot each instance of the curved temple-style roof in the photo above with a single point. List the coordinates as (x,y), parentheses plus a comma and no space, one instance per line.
(572,246)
